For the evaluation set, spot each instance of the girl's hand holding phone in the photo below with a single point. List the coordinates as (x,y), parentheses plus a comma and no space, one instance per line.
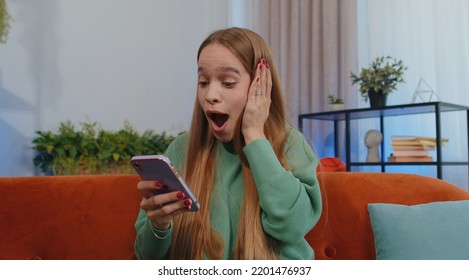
(161,208)
(164,192)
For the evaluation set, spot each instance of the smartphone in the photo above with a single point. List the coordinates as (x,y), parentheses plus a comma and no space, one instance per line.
(159,168)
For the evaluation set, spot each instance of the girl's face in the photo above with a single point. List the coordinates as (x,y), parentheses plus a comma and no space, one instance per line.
(223,84)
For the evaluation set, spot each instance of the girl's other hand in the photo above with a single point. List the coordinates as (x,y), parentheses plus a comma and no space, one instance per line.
(257,107)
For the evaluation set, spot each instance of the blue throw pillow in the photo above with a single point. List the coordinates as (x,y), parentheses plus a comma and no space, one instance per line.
(438,230)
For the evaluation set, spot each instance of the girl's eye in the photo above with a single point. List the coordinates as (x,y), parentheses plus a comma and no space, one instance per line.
(229,84)
(203,83)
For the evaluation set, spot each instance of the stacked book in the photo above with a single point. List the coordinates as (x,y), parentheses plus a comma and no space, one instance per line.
(412,148)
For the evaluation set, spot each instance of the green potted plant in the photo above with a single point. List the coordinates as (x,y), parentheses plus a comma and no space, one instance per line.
(4,21)
(379,79)
(93,150)
(335,103)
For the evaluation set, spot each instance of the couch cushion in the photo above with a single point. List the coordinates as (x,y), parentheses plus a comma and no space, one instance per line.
(68,217)
(435,230)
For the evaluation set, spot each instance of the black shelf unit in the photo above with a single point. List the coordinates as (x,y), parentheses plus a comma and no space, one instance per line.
(436,108)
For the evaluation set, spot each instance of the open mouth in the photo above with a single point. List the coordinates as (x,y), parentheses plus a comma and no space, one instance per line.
(219,119)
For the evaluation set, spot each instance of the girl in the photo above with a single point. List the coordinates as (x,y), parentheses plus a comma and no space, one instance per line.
(253,174)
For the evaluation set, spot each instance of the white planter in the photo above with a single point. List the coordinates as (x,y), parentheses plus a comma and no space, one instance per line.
(337,107)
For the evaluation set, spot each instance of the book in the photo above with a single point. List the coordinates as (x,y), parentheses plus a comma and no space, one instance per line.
(411,147)
(427,142)
(406,143)
(413,138)
(432,143)
(403,138)
(410,153)
(410,159)
(416,139)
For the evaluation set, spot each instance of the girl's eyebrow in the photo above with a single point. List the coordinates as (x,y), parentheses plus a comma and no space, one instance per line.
(221,69)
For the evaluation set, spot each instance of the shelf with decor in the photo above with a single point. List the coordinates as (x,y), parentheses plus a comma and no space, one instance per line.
(346,116)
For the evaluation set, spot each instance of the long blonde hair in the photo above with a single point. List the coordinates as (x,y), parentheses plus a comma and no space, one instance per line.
(193,237)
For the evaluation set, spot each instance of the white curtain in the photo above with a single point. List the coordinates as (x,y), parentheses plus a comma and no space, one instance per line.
(432,38)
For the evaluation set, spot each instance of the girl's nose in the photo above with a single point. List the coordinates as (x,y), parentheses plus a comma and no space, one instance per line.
(212,96)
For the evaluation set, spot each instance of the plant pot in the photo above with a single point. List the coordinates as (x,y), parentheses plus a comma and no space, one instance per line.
(377,99)
(337,107)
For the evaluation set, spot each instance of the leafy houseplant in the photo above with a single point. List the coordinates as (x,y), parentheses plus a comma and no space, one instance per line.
(4,21)
(335,103)
(335,100)
(380,78)
(93,150)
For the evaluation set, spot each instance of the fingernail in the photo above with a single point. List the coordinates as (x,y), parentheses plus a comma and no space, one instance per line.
(158,185)
(180,195)
(257,79)
(263,61)
(187,202)
(260,66)
(267,66)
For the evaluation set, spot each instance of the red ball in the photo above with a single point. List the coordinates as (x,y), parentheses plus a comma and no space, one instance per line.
(331,164)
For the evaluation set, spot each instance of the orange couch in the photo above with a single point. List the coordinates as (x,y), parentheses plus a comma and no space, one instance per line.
(92,217)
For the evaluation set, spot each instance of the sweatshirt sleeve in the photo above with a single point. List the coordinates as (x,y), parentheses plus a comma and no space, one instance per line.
(290,199)
(147,245)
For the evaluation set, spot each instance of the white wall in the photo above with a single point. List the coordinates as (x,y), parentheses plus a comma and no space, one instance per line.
(106,61)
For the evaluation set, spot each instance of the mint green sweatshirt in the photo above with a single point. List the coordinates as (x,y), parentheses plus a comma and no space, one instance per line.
(290,200)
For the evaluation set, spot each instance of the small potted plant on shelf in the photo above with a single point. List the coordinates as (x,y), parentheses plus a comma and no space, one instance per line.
(93,150)
(379,79)
(336,103)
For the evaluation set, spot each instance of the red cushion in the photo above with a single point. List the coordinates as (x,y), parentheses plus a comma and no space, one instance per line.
(331,164)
